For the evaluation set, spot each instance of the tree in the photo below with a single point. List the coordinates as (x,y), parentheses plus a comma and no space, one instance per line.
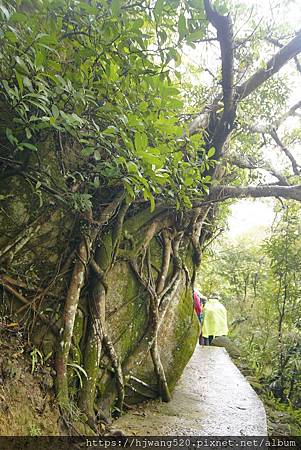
(283,249)
(96,125)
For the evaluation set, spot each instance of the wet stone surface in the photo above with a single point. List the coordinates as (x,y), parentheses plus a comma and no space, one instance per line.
(212,398)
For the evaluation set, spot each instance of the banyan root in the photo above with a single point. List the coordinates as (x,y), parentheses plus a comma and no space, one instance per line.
(159,370)
(118,371)
(73,295)
(93,346)
(76,284)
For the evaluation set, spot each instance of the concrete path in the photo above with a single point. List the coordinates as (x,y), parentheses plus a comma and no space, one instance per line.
(212,398)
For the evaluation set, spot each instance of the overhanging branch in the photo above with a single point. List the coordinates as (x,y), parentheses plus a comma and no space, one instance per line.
(296,167)
(221,193)
(245,162)
(273,66)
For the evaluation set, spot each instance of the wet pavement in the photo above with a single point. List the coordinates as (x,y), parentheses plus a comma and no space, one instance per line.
(212,398)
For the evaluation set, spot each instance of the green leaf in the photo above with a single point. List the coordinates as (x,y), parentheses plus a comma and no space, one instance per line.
(211,152)
(195,36)
(97,155)
(137,24)
(188,181)
(151,159)
(27,83)
(88,151)
(20,81)
(55,111)
(143,106)
(9,134)
(18,17)
(149,196)
(116,7)
(198,4)
(141,141)
(21,63)
(28,133)
(158,9)
(29,146)
(96,182)
(90,9)
(177,157)
(46,39)
(175,55)
(11,36)
(132,167)
(182,29)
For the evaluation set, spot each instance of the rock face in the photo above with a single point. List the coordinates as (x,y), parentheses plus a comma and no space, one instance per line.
(37,241)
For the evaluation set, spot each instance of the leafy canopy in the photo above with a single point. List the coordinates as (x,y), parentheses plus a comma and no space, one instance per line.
(105,73)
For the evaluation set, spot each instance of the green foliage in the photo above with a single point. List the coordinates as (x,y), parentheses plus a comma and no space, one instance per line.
(36,357)
(102,74)
(79,371)
(261,285)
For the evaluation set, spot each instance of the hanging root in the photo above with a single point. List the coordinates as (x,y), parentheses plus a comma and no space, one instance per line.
(197,224)
(118,230)
(28,303)
(8,253)
(118,372)
(150,340)
(159,371)
(163,302)
(93,347)
(73,296)
(165,262)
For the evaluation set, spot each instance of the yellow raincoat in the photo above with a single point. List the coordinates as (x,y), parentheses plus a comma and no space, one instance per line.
(215,319)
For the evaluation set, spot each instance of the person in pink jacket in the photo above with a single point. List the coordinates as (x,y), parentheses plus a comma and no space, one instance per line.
(198,307)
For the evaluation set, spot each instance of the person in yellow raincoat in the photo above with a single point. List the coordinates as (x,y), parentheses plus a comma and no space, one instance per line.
(215,319)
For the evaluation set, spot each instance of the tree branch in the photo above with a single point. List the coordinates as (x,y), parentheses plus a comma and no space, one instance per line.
(246,162)
(221,193)
(273,66)
(276,124)
(296,167)
(224,28)
(222,128)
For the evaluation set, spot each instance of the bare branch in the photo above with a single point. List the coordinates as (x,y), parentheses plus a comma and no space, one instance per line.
(277,43)
(289,113)
(296,167)
(221,193)
(273,66)
(298,65)
(246,162)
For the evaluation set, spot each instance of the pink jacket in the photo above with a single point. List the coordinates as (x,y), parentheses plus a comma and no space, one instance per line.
(198,307)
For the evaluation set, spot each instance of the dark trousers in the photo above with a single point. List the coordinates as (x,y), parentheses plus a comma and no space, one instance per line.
(208,340)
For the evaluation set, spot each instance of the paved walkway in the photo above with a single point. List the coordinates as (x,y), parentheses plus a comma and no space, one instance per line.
(212,398)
